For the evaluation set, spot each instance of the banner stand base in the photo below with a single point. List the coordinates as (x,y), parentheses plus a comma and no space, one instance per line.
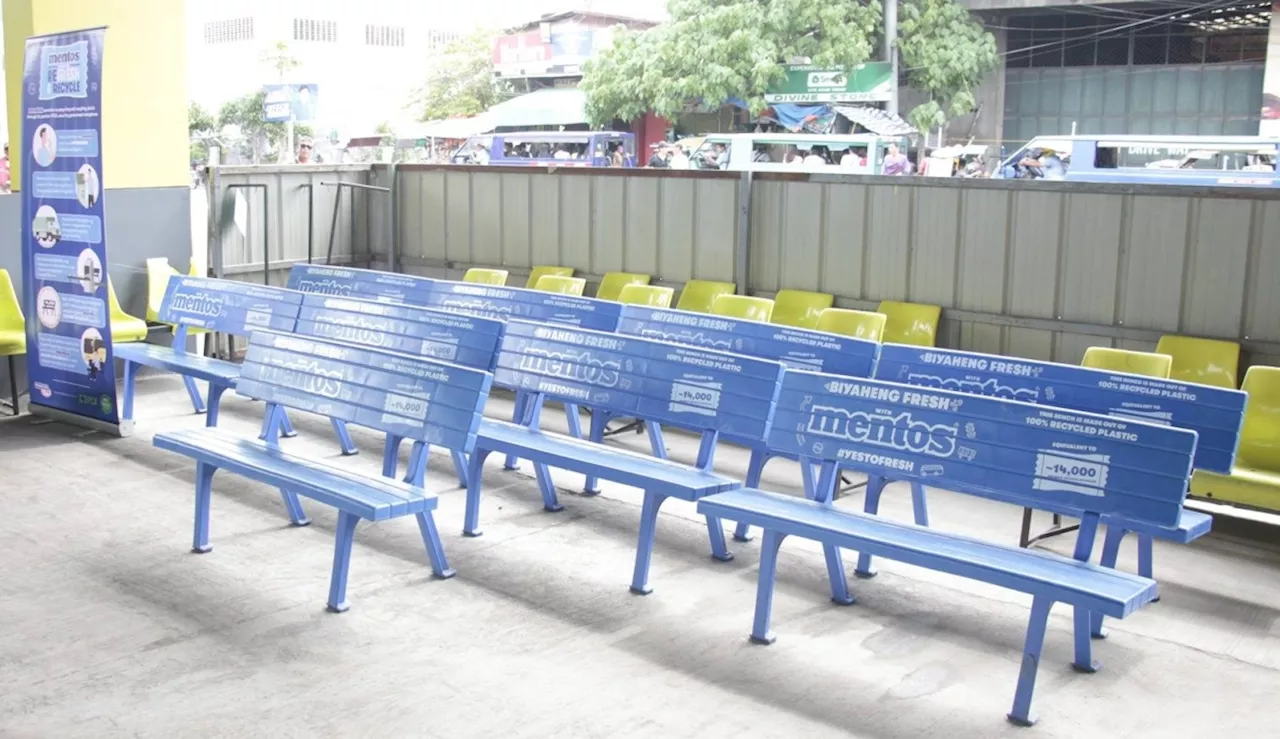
(122,429)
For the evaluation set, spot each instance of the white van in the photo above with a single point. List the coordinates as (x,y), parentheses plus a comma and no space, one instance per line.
(794,152)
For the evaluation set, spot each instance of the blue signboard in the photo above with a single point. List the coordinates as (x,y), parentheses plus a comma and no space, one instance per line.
(64,250)
(285,102)
(796,348)
(1214,413)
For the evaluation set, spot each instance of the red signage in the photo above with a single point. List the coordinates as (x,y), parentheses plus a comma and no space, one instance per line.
(521,52)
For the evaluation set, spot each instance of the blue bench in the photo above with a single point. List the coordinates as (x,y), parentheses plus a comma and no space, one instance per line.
(712,392)
(1215,414)
(367,284)
(1100,465)
(425,400)
(408,329)
(795,348)
(222,306)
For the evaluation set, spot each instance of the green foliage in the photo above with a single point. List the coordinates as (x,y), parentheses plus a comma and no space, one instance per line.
(257,136)
(946,54)
(278,59)
(711,50)
(460,81)
(200,122)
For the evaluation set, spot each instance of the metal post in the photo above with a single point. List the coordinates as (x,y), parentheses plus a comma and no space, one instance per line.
(891,51)
(742,263)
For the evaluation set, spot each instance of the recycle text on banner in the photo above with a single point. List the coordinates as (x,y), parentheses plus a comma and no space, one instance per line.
(64,246)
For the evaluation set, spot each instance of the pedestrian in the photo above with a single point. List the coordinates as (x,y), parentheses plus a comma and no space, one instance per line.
(678,159)
(305,148)
(895,162)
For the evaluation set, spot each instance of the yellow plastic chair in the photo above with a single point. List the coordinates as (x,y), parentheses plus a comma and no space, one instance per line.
(483,276)
(613,282)
(124,327)
(859,324)
(158,274)
(1255,479)
(561,284)
(1206,361)
(543,270)
(743,306)
(799,308)
(910,323)
(699,295)
(1123,360)
(13,333)
(652,296)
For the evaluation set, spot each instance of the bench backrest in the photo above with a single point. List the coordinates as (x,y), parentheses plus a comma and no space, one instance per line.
(796,348)
(465,340)
(1216,414)
(1020,453)
(411,397)
(640,378)
(513,302)
(368,284)
(227,306)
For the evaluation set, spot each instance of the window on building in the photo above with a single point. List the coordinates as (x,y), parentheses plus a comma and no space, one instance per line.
(225,32)
(437,39)
(384,35)
(306,29)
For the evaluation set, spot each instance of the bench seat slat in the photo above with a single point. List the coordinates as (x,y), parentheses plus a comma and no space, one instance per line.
(374,499)
(1108,591)
(184,363)
(586,457)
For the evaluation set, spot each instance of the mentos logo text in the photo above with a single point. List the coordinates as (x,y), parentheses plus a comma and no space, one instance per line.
(308,376)
(696,338)
(900,431)
(581,367)
(200,304)
(989,388)
(324,287)
(356,329)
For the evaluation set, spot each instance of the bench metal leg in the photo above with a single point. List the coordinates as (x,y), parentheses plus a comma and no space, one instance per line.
(297,516)
(215,404)
(344,437)
(435,549)
(574,421)
(13,384)
(719,547)
(835,572)
(1146,550)
(864,569)
(286,426)
(1110,553)
(1083,627)
(391,455)
(550,501)
(193,392)
(519,416)
(755,468)
(130,379)
(656,442)
(460,467)
(806,478)
(644,549)
(760,632)
(341,561)
(919,504)
(599,421)
(1021,713)
(204,493)
(471,519)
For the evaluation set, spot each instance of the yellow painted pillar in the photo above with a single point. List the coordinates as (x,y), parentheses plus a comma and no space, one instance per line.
(144,85)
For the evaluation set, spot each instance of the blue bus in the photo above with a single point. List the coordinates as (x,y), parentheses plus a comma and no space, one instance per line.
(550,148)
(1233,161)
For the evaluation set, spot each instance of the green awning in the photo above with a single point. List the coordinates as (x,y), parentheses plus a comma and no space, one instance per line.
(551,106)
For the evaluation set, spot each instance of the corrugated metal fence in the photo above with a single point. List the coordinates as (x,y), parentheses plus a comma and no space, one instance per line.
(1037,269)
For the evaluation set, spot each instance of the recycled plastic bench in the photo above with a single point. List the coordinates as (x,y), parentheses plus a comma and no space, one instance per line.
(1215,414)
(712,392)
(1103,466)
(465,340)
(425,400)
(223,306)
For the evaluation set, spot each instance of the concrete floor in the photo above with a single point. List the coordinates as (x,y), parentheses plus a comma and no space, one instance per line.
(109,627)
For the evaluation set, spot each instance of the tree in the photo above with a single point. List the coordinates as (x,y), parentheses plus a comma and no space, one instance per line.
(256,135)
(713,50)
(460,81)
(200,128)
(278,59)
(946,54)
